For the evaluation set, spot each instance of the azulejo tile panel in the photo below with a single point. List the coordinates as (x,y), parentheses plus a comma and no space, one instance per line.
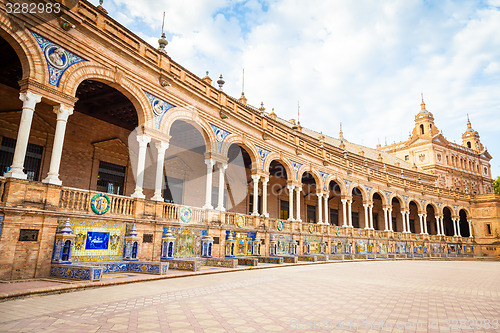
(97,240)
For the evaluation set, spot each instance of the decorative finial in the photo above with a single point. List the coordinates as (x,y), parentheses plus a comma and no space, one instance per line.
(66,230)
(262,108)
(220,82)
(243,83)
(206,73)
(422,106)
(298,113)
(133,231)
(162,42)
(341,134)
(468,122)
(100,2)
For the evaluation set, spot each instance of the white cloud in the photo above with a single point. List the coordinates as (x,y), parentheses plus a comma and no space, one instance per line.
(360,62)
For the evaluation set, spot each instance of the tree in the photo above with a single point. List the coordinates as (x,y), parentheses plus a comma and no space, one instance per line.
(496,185)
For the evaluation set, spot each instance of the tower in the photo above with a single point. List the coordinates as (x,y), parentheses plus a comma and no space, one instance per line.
(470,138)
(424,124)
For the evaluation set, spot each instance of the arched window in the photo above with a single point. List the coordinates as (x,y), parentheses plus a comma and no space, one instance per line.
(468,144)
(210,249)
(170,253)
(422,129)
(66,250)
(134,250)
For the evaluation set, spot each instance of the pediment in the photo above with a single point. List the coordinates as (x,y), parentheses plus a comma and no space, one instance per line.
(113,146)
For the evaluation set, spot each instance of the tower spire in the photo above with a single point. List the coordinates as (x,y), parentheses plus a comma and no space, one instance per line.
(468,122)
(243,99)
(341,134)
(298,113)
(422,106)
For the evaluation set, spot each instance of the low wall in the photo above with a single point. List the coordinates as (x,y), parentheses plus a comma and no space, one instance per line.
(308,257)
(155,267)
(270,260)
(248,261)
(220,262)
(185,265)
(290,259)
(77,272)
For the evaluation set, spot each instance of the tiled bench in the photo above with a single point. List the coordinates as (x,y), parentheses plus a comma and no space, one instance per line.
(220,262)
(77,272)
(185,265)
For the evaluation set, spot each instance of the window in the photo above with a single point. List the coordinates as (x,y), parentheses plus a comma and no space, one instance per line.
(28,235)
(334,216)
(394,224)
(468,144)
(412,226)
(147,238)
(488,229)
(407,157)
(111,178)
(375,221)
(284,212)
(311,214)
(174,188)
(32,161)
(421,129)
(355,219)
(259,204)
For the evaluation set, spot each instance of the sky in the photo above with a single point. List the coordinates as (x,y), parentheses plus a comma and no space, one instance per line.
(362,63)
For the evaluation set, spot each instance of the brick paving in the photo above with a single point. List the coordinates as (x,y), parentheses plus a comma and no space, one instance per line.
(423,295)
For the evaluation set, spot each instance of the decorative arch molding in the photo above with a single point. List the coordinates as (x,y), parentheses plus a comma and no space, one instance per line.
(191,115)
(450,207)
(466,210)
(339,181)
(315,173)
(381,194)
(402,202)
(433,205)
(364,192)
(239,140)
(27,50)
(76,74)
(285,162)
(417,202)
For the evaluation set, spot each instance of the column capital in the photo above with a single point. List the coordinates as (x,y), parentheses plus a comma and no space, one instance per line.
(161,146)
(298,188)
(210,162)
(63,111)
(29,99)
(319,194)
(255,178)
(264,180)
(222,166)
(290,187)
(143,140)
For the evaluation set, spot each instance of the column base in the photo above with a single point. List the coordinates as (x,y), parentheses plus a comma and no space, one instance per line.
(222,209)
(138,195)
(255,214)
(207,206)
(15,173)
(52,179)
(265,215)
(157,197)
(297,220)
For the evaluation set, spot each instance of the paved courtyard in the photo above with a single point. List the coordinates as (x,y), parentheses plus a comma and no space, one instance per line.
(357,296)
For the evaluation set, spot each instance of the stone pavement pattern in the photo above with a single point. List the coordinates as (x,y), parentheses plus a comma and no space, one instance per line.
(282,299)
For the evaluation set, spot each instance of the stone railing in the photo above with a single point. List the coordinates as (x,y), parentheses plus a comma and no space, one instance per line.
(238,220)
(72,199)
(178,213)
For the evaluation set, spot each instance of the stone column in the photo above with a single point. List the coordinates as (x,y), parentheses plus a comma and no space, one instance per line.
(367,220)
(349,212)
(421,224)
(298,189)
(438,227)
(403,214)
(29,100)
(208,190)
(255,179)
(470,228)
(389,217)
(63,112)
(264,180)
(141,160)
(454,221)
(442,226)
(386,224)
(425,224)
(320,208)
(222,169)
(160,162)
(458,228)
(408,229)
(290,202)
(344,213)
(327,218)
(370,213)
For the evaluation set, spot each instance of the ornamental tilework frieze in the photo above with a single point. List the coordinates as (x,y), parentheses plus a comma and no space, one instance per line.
(296,168)
(159,106)
(262,154)
(422,201)
(220,136)
(58,59)
(368,189)
(405,198)
(347,185)
(324,175)
(388,194)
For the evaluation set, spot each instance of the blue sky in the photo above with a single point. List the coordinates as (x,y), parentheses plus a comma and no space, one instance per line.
(364,63)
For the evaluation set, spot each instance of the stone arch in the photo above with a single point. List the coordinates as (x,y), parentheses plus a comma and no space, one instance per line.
(364,192)
(433,205)
(450,207)
(191,115)
(285,162)
(417,202)
(381,194)
(315,173)
(244,143)
(339,181)
(82,71)
(466,210)
(27,49)
(402,202)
